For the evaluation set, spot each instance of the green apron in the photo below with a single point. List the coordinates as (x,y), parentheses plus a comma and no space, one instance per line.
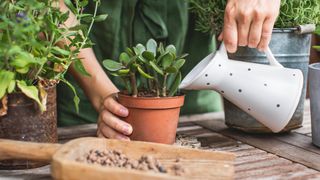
(135,21)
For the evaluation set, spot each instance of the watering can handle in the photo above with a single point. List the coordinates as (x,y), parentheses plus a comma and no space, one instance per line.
(272,60)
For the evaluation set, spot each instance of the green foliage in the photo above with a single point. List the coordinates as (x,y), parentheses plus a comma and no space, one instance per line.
(157,67)
(33,44)
(292,13)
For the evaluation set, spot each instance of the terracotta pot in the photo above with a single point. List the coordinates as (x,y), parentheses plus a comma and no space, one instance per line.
(25,122)
(153,119)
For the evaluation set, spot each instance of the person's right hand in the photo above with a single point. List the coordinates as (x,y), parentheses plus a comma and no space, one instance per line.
(109,123)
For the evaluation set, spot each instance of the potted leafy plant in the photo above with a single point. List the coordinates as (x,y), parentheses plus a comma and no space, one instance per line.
(292,51)
(151,75)
(36,50)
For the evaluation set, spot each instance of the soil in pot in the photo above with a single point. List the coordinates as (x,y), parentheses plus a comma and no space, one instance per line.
(25,122)
(153,119)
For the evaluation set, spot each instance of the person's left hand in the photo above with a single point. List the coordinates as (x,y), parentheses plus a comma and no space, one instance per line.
(249,23)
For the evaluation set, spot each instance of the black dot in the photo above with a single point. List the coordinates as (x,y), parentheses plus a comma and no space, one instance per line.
(249,109)
(294,74)
(240,90)
(206,75)
(208,84)
(219,65)
(249,69)
(265,84)
(278,105)
(230,74)
(222,92)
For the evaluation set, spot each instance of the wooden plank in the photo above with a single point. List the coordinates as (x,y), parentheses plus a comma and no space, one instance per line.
(267,143)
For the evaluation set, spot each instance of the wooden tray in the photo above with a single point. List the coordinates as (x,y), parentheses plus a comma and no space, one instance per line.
(198,164)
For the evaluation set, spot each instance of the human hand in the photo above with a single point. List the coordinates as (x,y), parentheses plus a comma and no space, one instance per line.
(249,23)
(109,123)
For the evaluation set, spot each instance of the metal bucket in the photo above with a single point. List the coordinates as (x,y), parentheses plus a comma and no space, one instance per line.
(25,122)
(292,50)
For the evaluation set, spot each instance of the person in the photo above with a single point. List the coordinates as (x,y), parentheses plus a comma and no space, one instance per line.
(246,23)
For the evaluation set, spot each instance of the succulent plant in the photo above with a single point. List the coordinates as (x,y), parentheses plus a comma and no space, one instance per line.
(157,66)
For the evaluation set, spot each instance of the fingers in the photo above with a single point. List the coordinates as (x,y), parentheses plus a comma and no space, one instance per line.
(244,23)
(106,131)
(230,33)
(113,106)
(266,34)
(256,30)
(115,123)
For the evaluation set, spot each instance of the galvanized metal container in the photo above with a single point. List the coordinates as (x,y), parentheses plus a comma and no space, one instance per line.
(292,50)
(25,122)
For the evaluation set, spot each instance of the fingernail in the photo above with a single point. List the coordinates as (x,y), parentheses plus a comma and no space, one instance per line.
(127,129)
(124,138)
(124,111)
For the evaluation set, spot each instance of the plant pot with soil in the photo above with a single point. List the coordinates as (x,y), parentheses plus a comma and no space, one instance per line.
(292,51)
(151,75)
(36,50)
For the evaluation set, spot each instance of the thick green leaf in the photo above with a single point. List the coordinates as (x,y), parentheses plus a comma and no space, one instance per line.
(148,55)
(156,68)
(5,79)
(171,49)
(161,48)
(124,58)
(139,49)
(30,91)
(142,59)
(112,65)
(123,72)
(100,17)
(179,63)
(175,85)
(83,3)
(167,60)
(152,46)
(76,99)
(144,74)
(129,52)
(80,68)
(171,69)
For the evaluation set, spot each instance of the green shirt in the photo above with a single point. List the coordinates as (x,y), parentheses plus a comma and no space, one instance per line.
(135,21)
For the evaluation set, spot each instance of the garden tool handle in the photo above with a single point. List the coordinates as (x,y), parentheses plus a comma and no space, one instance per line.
(11,149)
(272,60)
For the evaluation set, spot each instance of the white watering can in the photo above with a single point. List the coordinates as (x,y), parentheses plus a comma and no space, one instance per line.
(269,93)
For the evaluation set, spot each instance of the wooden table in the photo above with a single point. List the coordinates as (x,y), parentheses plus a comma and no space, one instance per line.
(284,156)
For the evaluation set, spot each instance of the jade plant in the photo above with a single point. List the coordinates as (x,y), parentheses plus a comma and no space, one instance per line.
(292,13)
(150,70)
(36,48)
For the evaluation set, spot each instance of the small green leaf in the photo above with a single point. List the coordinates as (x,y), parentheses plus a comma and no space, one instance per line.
(148,55)
(144,74)
(171,49)
(175,85)
(57,50)
(112,65)
(167,60)
(123,72)
(171,69)
(142,59)
(161,48)
(5,78)
(183,56)
(11,86)
(124,58)
(139,49)
(80,68)
(152,46)
(100,17)
(130,52)
(156,68)
(30,91)
(76,99)
(70,5)
(83,3)
(179,63)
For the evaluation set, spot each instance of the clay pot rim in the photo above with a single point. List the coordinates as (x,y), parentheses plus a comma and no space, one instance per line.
(151,102)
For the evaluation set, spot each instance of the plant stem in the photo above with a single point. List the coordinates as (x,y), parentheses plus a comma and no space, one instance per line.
(156,83)
(164,85)
(133,85)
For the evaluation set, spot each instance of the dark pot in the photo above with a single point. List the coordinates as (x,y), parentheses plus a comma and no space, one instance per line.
(25,122)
